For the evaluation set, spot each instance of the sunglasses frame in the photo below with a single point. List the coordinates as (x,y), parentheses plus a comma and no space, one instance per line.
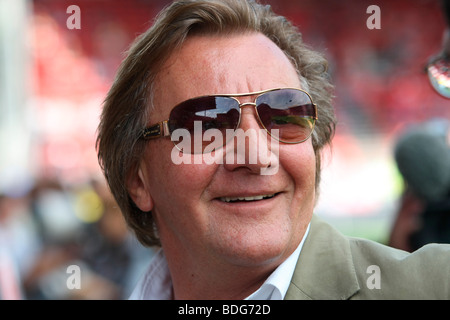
(161,129)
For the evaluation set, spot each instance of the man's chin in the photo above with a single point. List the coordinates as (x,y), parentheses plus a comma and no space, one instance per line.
(257,254)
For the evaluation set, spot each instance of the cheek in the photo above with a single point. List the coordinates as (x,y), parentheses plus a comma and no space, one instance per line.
(177,191)
(175,185)
(299,161)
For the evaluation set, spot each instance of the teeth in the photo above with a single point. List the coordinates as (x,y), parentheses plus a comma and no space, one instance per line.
(254,198)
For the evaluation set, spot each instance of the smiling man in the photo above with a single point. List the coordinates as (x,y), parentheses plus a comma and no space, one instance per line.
(230,217)
(226,230)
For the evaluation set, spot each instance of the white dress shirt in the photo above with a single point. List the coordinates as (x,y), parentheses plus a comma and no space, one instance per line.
(156,282)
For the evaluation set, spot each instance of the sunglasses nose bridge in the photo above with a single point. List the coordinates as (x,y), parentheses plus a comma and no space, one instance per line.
(247,104)
(254,105)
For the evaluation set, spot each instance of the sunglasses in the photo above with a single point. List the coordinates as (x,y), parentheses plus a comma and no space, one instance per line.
(287,114)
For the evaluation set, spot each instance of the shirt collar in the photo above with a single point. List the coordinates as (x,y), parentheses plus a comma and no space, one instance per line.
(156,283)
(277,284)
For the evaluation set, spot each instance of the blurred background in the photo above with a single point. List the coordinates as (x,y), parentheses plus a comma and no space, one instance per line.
(55,210)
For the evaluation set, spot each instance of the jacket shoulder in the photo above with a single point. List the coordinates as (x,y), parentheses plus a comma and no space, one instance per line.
(388,273)
(334,266)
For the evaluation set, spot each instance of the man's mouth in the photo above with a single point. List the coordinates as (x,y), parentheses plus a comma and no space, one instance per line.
(250,198)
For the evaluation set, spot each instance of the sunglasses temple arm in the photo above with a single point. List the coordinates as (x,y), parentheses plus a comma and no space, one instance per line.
(155,131)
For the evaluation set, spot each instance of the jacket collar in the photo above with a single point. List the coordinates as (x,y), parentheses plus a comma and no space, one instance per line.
(325,267)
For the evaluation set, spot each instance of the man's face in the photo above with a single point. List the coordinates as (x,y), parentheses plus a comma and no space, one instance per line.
(188,200)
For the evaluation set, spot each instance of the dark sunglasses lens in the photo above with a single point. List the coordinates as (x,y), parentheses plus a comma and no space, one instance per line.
(288,114)
(197,116)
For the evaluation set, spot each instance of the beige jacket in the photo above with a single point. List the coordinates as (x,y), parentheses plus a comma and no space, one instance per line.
(334,266)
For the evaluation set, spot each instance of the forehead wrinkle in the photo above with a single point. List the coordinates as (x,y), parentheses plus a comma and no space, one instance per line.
(198,69)
(187,74)
(211,66)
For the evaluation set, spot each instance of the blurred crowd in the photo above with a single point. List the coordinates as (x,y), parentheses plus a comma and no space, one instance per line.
(52,227)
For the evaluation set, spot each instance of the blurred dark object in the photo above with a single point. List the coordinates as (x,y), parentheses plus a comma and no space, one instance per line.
(435,225)
(438,67)
(422,155)
(446,10)
(423,158)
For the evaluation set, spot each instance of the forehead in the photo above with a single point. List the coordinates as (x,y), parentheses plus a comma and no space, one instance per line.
(222,65)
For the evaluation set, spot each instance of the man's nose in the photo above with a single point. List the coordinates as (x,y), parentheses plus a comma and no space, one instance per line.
(250,147)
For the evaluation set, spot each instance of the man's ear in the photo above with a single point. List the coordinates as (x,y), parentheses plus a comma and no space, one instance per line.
(138,189)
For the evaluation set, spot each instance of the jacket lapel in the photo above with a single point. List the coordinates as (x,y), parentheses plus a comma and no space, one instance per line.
(325,267)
